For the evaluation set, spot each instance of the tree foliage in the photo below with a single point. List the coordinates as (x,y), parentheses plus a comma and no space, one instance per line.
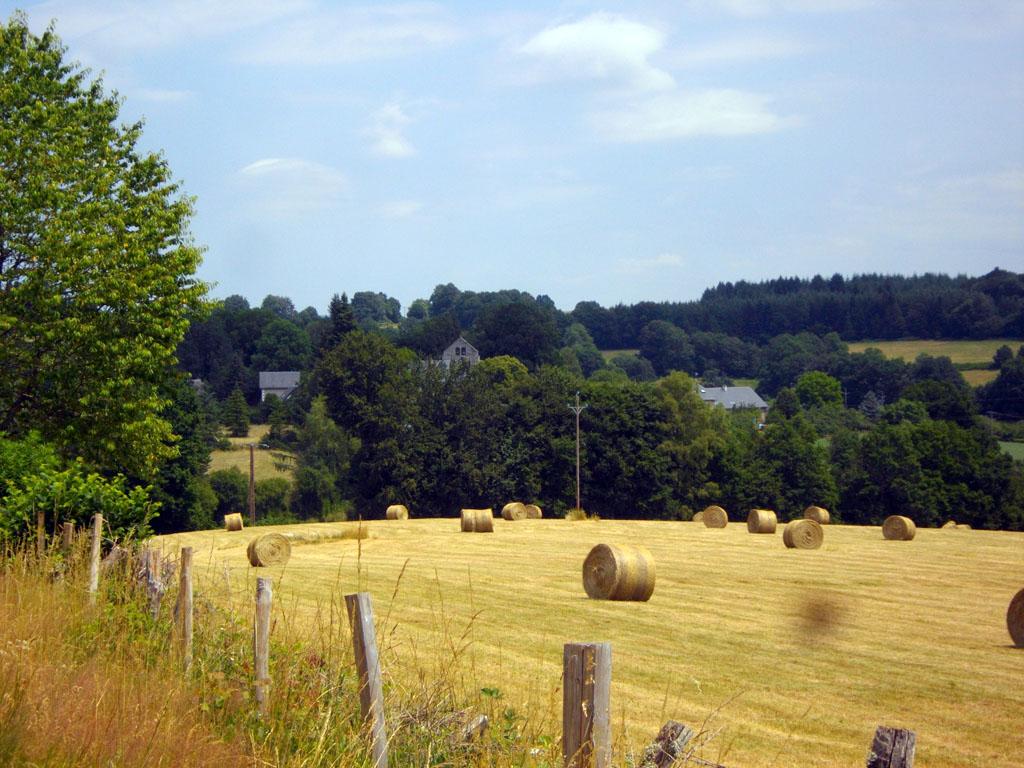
(97,268)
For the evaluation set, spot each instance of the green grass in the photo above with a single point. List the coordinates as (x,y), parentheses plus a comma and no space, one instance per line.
(793,653)
(1016,450)
(959,351)
(267,463)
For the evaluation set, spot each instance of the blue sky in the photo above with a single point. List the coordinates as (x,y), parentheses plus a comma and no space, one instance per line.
(615,152)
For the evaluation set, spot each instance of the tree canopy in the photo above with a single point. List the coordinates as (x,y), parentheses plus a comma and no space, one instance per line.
(97,268)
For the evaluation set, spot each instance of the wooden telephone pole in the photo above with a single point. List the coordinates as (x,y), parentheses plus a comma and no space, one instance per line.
(252,484)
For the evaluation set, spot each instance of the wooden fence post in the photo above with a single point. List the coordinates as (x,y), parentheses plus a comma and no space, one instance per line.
(40,533)
(94,557)
(586,708)
(892,748)
(67,537)
(183,608)
(152,560)
(371,693)
(261,641)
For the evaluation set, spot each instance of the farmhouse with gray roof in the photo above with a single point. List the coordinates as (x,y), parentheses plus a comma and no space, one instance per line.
(734,397)
(280,383)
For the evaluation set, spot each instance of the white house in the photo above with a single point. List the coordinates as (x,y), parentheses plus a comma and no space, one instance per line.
(458,351)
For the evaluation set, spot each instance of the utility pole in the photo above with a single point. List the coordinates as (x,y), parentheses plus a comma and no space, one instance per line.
(252,483)
(577,409)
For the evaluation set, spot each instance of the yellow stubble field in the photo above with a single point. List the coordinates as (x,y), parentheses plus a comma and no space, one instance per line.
(796,656)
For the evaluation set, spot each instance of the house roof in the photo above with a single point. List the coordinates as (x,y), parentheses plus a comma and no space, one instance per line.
(732,397)
(461,341)
(279,379)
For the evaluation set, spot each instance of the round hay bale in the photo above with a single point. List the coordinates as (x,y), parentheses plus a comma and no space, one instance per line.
(533,512)
(514,510)
(477,521)
(698,517)
(817,514)
(963,526)
(233,521)
(397,512)
(898,528)
(761,521)
(949,524)
(803,534)
(269,549)
(619,572)
(714,517)
(1015,619)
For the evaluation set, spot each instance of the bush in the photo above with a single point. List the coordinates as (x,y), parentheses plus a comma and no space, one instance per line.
(76,495)
(232,489)
(272,498)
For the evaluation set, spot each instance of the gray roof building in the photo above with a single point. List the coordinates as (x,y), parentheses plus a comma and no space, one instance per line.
(733,397)
(280,383)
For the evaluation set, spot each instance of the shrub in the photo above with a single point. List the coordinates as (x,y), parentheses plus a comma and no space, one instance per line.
(232,489)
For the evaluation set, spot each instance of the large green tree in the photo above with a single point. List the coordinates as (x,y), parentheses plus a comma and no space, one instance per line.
(97,270)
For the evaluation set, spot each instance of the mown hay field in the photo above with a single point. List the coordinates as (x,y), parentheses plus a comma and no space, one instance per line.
(266,462)
(962,351)
(795,655)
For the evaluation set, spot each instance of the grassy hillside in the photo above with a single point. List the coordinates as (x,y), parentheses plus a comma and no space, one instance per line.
(267,463)
(978,352)
(797,656)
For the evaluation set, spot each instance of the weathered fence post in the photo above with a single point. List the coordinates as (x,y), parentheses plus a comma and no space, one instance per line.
(183,608)
(371,693)
(152,560)
(40,533)
(892,748)
(94,557)
(586,707)
(67,537)
(261,641)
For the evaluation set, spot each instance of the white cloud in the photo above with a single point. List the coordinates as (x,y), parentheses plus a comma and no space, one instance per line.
(386,131)
(739,49)
(602,46)
(661,262)
(751,8)
(400,209)
(290,187)
(686,114)
(146,24)
(342,35)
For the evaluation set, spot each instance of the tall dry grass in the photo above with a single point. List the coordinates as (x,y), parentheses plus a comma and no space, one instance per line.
(101,685)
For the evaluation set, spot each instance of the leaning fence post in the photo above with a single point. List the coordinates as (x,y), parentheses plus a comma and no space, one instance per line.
(371,693)
(892,748)
(586,708)
(67,537)
(183,608)
(94,557)
(261,640)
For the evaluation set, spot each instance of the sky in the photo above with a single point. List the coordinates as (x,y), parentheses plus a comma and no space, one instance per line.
(609,152)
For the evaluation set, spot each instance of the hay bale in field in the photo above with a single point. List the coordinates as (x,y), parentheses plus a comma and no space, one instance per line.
(949,524)
(233,521)
(619,572)
(533,512)
(269,549)
(898,528)
(761,521)
(514,510)
(963,527)
(819,515)
(714,517)
(397,512)
(698,517)
(1015,619)
(803,534)
(477,521)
